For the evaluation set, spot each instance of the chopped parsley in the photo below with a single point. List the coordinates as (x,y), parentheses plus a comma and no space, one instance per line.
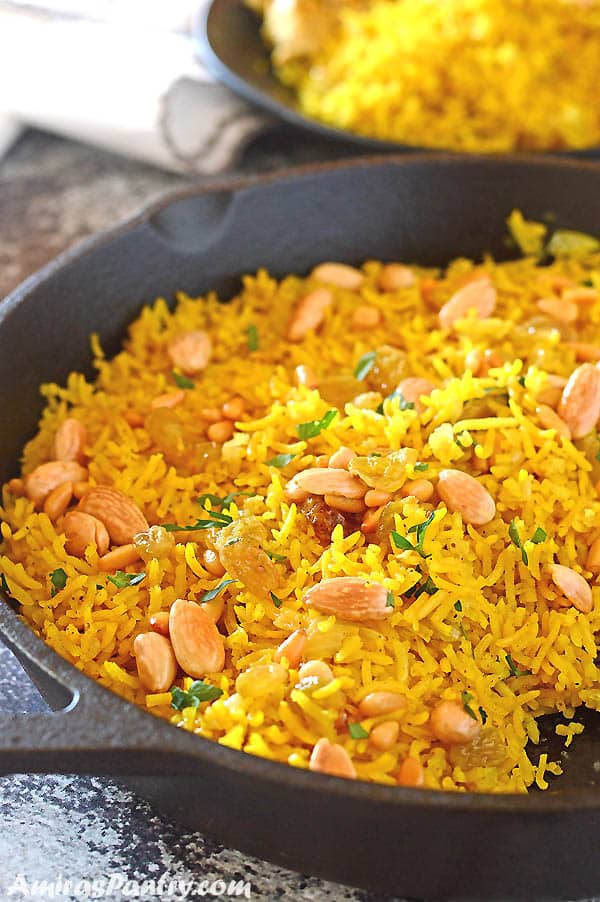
(218,503)
(514,670)
(194,696)
(252,338)
(182,381)
(420,467)
(365,365)
(417,590)
(389,602)
(58,578)
(466,698)
(484,715)
(275,599)
(276,557)
(232,541)
(458,605)
(357,731)
(316,427)
(4,584)
(212,593)
(589,283)
(216,518)
(280,460)
(521,381)
(538,537)
(122,580)
(404,404)
(419,530)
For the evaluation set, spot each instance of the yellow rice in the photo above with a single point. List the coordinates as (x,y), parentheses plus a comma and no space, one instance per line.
(430,648)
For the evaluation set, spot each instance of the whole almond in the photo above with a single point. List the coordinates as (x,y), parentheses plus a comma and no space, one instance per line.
(573,586)
(70,440)
(47,477)
(156,664)
(121,516)
(350,598)
(329,481)
(329,758)
(463,493)
(197,643)
(309,313)
(479,296)
(81,530)
(191,351)
(580,402)
(339,274)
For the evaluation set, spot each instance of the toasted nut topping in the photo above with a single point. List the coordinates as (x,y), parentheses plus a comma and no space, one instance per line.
(309,313)
(16,487)
(330,481)
(81,530)
(220,432)
(197,643)
(58,500)
(366,317)
(306,376)
(156,664)
(215,607)
(551,420)
(322,460)
(410,773)
(80,488)
(191,351)
(384,735)
(580,402)
(329,758)
(346,505)
(70,441)
(452,725)
(573,586)
(413,389)
(211,414)
(560,309)
(463,493)
(213,563)
(350,598)
(584,351)
(421,489)
(47,477)
(169,399)
(479,296)
(376,703)
(318,672)
(552,391)
(121,516)
(339,274)
(377,498)
(370,521)
(291,648)
(341,458)
(293,492)
(395,276)
(583,294)
(234,408)
(134,418)
(593,559)
(159,623)
(119,558)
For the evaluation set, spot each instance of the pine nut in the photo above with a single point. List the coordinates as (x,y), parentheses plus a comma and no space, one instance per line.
(384,735)
(234,408)
(220,432)
(339,274)
(58,500)
(377,498)
(212,562)
(341,458)
(410,773)
(394,277)
(376,703)
(291,648)
(421,489)
(159,623)
(330,758)
(366,317)
(169,399)
(452,725)
(316,670)
(345,505)
(119,558)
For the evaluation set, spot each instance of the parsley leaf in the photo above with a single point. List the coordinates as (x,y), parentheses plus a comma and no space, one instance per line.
(484,715)
(514,670)
(4,584)
(252,338)
(276,557)
(217,503)
(122,580)
(420,467)
(232,541)
(357,731)
(516,540)
(58,578)
(315,427)
(419,530)
(276,600)
(458,605)
(404,404)
(194,696)
(199,524)
(182,381)
(212,593)
(521,381)
(466,698)
(539,536)
(280,460)
(365,365)
(389,602)
(417,590)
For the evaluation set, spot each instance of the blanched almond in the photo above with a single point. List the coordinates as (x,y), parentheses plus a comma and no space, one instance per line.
(413,389)
(549,419)
(70,440)
(292,648)
(350,598)
(121,516)
(329,758)
(573,586)
(197,643)
(47,477)
(191,351)
(156,664)
(452,725)
(394,276)
(479,296)
(463,493)
(376,703)
(58,500)
(339,274)
(81,530)
(309,313)
(329,481)
(580,402)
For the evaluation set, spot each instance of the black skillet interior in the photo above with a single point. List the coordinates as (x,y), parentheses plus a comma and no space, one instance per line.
(229,41)
(422,209)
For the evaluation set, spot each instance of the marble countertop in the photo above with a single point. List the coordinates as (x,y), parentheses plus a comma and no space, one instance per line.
(52,194)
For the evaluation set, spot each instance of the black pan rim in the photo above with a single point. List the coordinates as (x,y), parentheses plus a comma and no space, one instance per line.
(44,656)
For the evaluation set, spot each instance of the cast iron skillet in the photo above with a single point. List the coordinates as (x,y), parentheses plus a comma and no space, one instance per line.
(392,840)
(228,36)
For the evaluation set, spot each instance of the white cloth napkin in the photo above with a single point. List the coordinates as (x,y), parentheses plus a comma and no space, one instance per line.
(132,87)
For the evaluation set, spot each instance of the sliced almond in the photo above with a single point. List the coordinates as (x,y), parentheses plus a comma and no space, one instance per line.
(463,493)
(329,758)
(47,477)
(70,441)
(350,598)
(329,481)
(156,664)
(197,643)
(121,516)
(580,402)
(479,296)
(573,586)
(309,313)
